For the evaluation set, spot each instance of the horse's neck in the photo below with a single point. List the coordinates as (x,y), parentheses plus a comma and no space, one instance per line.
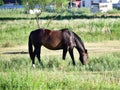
(80,46)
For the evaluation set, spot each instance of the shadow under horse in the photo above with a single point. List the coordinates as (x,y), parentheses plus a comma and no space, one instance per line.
(56,40)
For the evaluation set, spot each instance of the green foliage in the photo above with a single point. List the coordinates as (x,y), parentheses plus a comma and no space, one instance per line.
(59,3)
(105,63)
(43,3)
(16,73)
(17,28)
(114,11)
(100,73)
(1,2)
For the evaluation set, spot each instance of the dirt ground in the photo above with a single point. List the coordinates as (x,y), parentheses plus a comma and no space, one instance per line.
(93,48)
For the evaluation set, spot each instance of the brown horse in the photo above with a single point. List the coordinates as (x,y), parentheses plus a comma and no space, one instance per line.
(55,40)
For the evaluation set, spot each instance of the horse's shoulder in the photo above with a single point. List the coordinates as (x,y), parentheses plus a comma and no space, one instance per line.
(66,31)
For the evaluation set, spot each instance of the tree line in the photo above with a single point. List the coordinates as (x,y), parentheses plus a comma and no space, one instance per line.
(32,3)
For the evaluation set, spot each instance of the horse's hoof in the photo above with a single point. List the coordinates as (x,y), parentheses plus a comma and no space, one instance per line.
(33,65)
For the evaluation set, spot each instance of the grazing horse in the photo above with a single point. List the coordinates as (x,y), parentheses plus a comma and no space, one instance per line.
(55,40)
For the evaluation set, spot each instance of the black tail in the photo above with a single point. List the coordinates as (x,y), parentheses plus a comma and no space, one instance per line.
(30,48)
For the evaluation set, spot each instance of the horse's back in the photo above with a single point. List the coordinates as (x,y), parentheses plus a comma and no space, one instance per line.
(52,39)
(47,31)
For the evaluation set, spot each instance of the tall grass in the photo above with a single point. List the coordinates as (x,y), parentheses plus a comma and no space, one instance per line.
(17,31)
(102,72)
(107,62)
(34,80)
(16,73)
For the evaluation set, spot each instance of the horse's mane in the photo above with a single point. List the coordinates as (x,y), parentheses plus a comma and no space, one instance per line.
(64,29)
(78,40)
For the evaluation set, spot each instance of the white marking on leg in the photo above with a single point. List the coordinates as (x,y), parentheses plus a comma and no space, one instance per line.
(33,65)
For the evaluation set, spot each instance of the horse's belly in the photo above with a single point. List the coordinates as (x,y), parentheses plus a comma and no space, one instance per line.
(53,45)
(53,40)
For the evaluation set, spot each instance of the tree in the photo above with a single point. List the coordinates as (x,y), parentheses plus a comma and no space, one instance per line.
(43,3)
(70,3)
(1,2)
(33,3)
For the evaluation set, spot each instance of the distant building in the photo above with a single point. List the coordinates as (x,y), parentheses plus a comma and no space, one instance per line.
(96,5)
(102,5)
(102,1)
(88,3)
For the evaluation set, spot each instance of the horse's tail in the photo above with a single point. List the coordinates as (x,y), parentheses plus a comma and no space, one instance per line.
(30,48)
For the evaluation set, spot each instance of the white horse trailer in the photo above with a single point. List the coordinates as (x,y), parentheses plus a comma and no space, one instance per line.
(101,7)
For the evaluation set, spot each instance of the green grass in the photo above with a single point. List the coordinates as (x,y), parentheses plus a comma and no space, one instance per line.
(107,62)
(16,73)
(102,72)
(35,80)
(16,32)
(16,26)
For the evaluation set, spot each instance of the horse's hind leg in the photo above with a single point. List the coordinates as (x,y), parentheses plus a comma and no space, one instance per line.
(38,51)
(33,59)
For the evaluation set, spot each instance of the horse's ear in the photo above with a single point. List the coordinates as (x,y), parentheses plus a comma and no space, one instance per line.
(85,50)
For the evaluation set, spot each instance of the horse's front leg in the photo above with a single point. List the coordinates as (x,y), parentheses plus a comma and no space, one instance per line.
(64,53)
(72,56)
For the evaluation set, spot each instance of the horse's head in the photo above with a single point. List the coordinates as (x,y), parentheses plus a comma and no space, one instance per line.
(84,57)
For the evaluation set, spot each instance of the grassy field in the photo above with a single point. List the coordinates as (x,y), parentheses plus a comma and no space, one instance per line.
(101,37)
(102,72)
(15,29)
(16,32)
